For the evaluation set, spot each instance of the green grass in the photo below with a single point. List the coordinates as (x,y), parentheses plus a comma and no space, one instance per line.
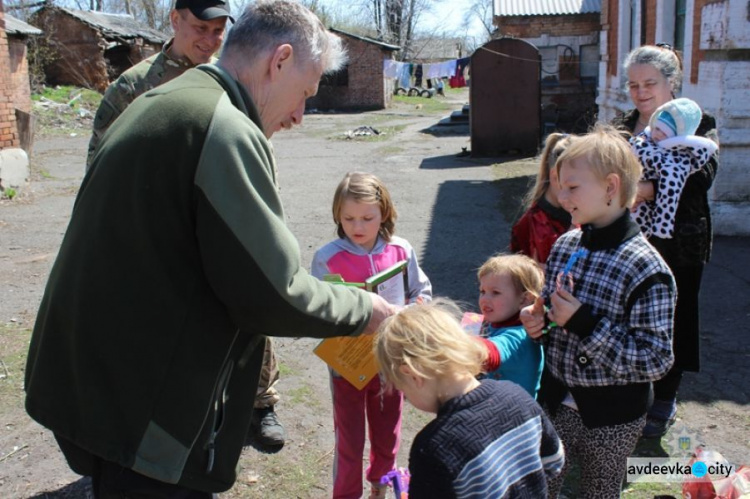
(303,395)
(74,115)
(429,105)
(301,473)
(286,370)
(14,346)
(63,94)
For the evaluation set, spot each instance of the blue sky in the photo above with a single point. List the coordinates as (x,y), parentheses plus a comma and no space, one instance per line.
(449,16)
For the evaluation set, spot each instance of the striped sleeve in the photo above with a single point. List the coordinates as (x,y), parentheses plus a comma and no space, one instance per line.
(505,462)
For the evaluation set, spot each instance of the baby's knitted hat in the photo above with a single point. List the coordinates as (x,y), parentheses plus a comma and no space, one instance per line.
(665,123)
(680,116)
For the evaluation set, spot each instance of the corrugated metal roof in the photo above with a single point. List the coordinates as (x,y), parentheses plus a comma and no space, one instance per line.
(546,7)
(116,25)
(15,26)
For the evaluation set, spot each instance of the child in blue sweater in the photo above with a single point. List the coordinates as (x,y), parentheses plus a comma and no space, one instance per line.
(507,283)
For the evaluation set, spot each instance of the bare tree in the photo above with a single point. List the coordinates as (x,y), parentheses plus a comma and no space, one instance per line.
(395,21)
(480,11)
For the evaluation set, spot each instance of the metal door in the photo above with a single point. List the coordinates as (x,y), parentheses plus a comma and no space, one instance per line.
(505,98)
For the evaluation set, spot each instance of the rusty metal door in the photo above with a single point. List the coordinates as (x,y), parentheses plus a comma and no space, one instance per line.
(505,98)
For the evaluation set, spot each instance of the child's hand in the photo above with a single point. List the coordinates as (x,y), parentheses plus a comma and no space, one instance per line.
(564,305)
(532,318)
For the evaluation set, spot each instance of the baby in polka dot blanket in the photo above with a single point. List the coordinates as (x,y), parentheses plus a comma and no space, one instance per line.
(669,151)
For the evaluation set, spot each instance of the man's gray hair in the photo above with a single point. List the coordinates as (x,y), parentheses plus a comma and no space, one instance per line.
(664,60)
(266,24)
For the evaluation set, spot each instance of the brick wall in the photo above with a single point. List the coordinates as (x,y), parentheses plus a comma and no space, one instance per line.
(19,69)
(535,26)
(365,88)
(611,23)
(650,34)
(8,131)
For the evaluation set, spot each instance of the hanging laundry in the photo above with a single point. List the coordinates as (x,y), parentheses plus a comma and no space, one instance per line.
(458,80)
(391,68)
(448,68)
(418,76)
(405,76)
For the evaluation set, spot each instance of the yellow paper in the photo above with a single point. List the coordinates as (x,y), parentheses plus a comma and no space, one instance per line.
(352,357)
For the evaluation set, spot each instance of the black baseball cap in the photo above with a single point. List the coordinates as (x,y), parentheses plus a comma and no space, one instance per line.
(205,9)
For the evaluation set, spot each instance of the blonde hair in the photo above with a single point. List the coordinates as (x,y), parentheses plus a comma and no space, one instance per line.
(429,340)
(525,273)
(365,188)
(606,151)
(553,147)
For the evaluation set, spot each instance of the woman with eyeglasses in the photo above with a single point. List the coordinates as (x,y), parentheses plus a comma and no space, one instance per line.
(654,77)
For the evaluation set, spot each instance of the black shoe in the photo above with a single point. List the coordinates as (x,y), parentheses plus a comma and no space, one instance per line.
(266,427)
(657,428)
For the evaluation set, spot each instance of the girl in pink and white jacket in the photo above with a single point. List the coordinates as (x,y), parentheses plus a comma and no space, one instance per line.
(365,216)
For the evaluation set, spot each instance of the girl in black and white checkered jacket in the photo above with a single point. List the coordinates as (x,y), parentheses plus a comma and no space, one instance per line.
(612,301)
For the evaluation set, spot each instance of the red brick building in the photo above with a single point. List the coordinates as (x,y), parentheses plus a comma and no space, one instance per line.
(360,84)
(18,33)
(93,48)
(567,36)
(8,131)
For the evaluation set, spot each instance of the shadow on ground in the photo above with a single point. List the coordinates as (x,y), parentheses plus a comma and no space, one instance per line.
(465,230)
(451,161)
(80,489)
(725,328)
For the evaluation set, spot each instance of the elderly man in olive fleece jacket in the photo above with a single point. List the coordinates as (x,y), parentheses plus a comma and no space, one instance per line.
(175,266)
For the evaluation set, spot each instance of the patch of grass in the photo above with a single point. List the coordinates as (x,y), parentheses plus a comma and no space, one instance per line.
(286,370)
(299,473)
(428,105)
(303,395)
(64,94)
(72,112)
(14,346)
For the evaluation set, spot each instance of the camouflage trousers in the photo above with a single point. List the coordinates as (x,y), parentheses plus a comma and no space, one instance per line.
(267,396)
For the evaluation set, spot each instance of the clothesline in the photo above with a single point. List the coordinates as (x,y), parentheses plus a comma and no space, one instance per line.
(508,56)
(403,71)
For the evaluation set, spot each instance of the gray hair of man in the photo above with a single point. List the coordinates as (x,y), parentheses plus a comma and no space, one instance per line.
(266,24)
(665,60)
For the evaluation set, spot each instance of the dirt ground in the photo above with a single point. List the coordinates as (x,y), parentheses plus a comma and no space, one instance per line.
(455,211)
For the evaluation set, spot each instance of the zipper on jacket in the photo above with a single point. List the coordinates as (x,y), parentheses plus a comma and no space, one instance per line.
(373,270)
(218,411)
